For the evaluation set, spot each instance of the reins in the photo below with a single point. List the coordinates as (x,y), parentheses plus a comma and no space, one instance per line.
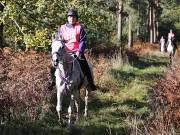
(71,61)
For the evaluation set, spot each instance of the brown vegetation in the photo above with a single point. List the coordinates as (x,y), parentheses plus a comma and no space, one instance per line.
(23,84)
(165,102)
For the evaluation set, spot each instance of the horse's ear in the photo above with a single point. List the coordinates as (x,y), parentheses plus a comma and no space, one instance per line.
(61,38)
(63,44)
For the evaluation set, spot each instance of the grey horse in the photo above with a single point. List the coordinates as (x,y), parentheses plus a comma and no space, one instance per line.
(69,80)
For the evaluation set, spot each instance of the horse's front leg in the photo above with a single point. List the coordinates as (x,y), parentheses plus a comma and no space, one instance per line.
(70,110)
(86,104)
(59,103)
(77,104)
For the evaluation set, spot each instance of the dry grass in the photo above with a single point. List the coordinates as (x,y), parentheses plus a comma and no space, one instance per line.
(24,79)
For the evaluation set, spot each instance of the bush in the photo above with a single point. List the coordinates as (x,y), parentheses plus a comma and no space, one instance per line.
(38,40)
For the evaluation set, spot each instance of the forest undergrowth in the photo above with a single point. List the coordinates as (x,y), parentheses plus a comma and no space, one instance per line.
(138,93)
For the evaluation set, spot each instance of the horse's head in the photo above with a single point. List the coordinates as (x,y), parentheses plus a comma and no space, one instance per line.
(58,51)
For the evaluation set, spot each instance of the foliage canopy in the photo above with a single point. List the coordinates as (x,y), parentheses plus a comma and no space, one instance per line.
(31,23)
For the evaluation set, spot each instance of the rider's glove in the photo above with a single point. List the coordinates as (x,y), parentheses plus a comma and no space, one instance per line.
(78,54)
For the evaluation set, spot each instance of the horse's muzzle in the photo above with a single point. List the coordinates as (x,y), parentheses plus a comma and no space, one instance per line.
(55,63)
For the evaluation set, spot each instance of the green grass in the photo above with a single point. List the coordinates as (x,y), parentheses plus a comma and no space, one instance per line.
(114,112)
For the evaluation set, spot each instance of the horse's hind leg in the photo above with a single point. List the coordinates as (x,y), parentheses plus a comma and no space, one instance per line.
(86,104)
(77,104)
(170,58)
(174,55)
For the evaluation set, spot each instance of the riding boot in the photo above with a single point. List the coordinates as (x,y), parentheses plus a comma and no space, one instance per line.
(87,72)
(52,82)
(92,86)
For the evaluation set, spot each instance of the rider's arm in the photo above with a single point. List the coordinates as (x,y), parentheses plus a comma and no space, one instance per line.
(83,40)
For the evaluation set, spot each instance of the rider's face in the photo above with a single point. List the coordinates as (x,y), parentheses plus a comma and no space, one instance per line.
(72,19)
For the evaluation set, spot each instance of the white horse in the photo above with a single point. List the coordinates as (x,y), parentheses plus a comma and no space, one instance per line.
(162,44)
(171,49)
(69,79)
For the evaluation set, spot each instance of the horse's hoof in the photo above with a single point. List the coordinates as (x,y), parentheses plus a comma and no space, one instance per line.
(62,123)
(85,115)
(70,125)
(77,119)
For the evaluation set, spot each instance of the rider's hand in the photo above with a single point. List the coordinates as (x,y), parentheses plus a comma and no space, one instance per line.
(78,54)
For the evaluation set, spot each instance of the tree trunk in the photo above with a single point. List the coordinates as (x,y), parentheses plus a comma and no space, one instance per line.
(138,27)
(154,26)
(1,28)
(120,22)
(151,23)
(157,20)
(157,30)
(147,27)
(130,33)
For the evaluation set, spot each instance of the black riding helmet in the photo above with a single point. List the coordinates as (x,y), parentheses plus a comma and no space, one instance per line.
(73,12)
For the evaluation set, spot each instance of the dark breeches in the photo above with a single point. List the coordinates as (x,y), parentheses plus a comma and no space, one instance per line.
(85,68)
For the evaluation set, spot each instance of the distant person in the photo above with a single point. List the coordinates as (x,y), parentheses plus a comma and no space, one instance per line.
(171,35)
(73,34)
(162,44)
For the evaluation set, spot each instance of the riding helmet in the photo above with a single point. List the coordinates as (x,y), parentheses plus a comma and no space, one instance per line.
(73,12)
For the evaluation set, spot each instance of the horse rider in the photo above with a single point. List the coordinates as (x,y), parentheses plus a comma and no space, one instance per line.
(74,36)
(171,36)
